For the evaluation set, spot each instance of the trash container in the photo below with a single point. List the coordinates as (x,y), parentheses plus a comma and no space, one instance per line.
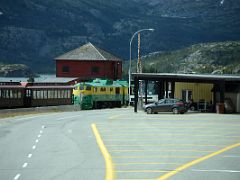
(220,108)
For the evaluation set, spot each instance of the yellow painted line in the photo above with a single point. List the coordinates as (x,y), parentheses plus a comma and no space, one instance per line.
(136,179)
(142,171)
(107,157)
(165,124)
(162,139)
(161,150)
(170,134)
(142,157)
(165,145)
(162,130)
(145,163)
(196,161)
(130,127)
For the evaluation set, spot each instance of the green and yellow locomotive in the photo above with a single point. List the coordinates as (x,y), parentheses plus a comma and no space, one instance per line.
(100,93)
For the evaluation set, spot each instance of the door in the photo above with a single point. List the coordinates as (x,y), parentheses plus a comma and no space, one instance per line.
(186,95)
(161,106)
(28,98)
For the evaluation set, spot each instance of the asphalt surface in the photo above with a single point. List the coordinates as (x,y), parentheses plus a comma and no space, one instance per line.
(63,146)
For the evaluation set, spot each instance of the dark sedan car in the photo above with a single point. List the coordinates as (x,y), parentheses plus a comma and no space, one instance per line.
(166,105)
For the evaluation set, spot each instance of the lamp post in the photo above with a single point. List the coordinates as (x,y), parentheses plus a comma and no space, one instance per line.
(130,60)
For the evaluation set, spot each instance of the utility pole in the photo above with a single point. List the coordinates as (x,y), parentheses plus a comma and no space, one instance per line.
(139,70)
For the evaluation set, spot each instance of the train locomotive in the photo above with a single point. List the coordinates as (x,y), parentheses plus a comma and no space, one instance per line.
(100,93)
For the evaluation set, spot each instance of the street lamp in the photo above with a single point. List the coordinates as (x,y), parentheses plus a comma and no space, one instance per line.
(130,60)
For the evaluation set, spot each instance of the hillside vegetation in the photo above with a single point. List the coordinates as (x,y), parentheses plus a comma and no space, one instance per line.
(218,57)
(33,32)
(15,70)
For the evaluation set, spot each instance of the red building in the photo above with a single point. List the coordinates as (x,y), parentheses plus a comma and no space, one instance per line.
(88,62)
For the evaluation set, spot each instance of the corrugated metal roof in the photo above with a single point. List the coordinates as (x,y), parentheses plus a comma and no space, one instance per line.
(40,79)
(88,52)
(188,77)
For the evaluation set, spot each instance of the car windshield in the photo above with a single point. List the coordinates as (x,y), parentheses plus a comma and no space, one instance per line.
(162,101)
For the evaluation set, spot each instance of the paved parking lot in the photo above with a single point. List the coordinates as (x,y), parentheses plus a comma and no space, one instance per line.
(189,146)
(136,146)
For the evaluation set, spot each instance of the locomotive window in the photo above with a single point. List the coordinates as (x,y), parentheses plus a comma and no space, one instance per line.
(103,89)
(117,90)
(95,89)
(88,88)
(81,87)
(111,89)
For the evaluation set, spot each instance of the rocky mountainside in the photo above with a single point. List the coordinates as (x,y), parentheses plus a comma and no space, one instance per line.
(15,70)
(211,58)
(33,32)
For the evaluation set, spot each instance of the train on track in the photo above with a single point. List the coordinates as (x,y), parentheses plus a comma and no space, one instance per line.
(21,95)
(100,93)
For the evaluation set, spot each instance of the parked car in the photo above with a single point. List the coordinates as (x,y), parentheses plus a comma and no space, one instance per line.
(166,105)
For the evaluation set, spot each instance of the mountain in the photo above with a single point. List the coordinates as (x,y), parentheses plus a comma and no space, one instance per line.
(33,32)
(15,70)
(215,58)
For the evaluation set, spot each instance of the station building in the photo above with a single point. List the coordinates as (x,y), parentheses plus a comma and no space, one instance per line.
(89,62)
(222,92)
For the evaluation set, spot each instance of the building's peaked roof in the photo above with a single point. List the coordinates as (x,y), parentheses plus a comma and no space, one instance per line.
(87,52)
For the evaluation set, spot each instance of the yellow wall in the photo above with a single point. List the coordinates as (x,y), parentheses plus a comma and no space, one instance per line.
(199,91)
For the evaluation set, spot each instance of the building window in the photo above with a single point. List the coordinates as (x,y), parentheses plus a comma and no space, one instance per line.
(65,69)
(95,69)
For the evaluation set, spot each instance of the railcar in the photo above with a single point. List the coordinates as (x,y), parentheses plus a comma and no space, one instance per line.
(47,96)
(17,95)
(100,93)
(11,95)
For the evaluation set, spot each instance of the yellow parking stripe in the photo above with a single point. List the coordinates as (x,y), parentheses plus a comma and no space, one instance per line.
(171,134)
(161,150)
(136,179)
(107,157)
(142,157)
(162,139)
(187,165)
(165,145)
(145,163)
(143,171)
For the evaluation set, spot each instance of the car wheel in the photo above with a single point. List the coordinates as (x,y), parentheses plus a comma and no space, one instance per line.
(175,111)
(192,108)
(149,110)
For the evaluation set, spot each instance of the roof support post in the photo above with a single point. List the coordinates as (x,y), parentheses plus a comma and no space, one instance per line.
(160,90)
(222,92)
(136,86)
(172,89)
(146,87)
(166,89)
